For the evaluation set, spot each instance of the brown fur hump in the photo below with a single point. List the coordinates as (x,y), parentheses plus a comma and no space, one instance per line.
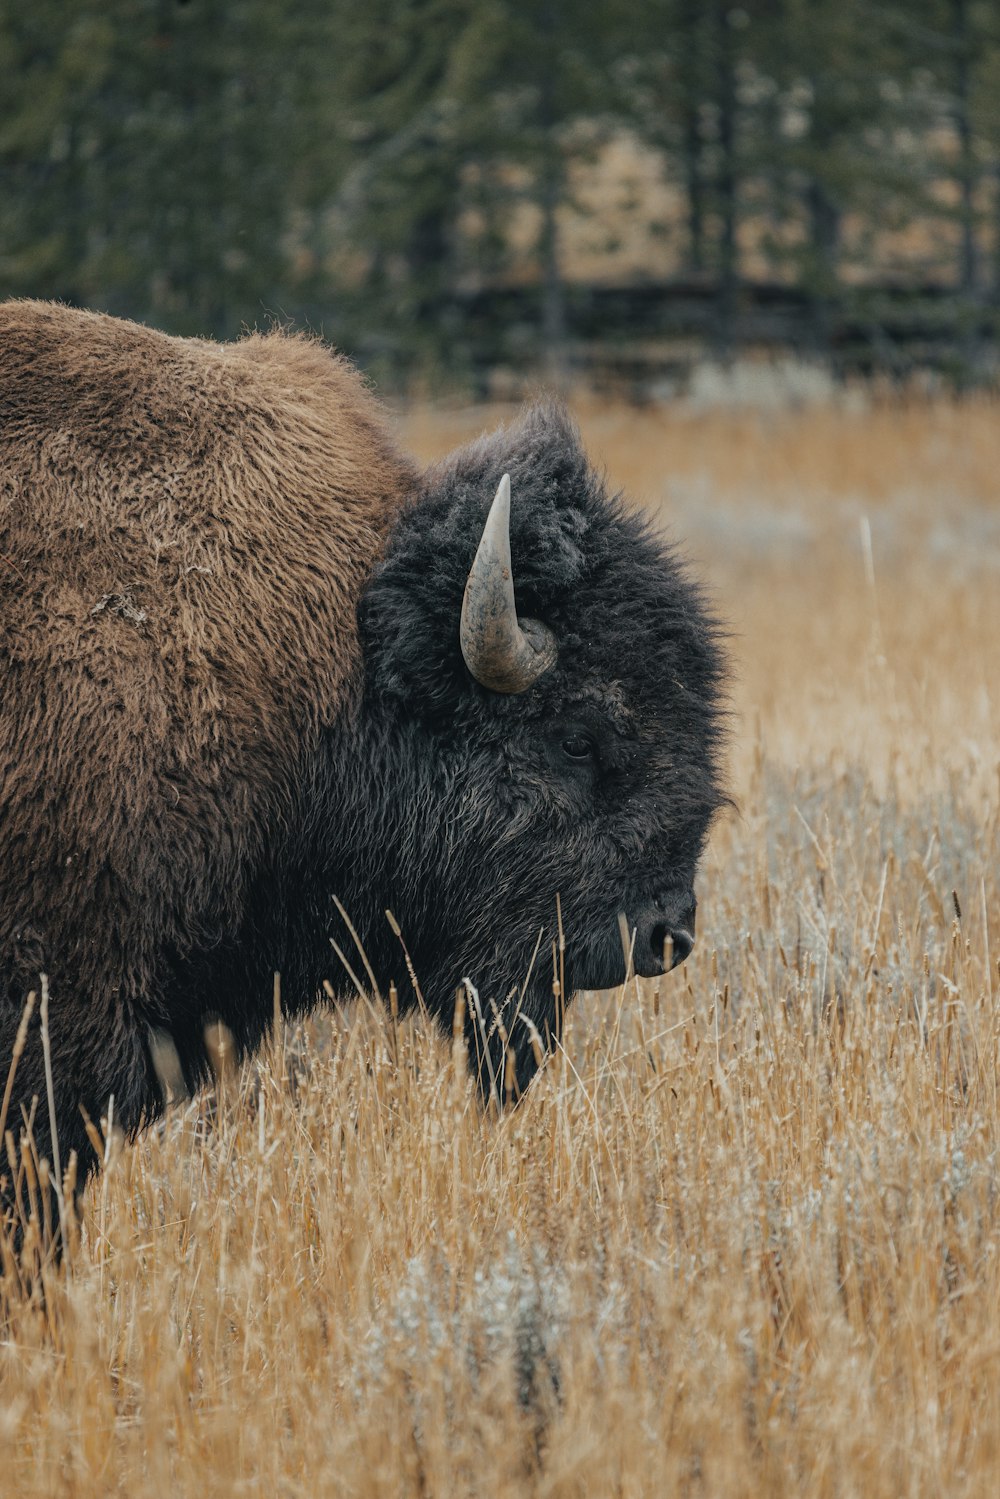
(185,530)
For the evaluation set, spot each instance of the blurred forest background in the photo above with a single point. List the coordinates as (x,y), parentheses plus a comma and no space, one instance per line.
(460,192)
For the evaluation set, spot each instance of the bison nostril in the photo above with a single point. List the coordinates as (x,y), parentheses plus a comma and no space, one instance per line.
(658,938)
(683,943)
(675,941)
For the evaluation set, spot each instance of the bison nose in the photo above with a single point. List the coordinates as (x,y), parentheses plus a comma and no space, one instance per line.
(660,932)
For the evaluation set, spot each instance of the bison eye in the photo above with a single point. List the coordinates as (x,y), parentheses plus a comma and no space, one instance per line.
(578,747)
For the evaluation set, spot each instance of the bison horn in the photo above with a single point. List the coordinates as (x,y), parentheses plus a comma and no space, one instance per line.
(502,652)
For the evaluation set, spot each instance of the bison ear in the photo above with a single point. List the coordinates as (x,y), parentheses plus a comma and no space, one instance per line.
(502,652)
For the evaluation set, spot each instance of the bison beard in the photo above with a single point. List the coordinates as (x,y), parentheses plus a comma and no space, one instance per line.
(237,685)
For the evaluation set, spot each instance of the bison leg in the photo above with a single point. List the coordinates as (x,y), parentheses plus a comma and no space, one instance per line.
(83,1080)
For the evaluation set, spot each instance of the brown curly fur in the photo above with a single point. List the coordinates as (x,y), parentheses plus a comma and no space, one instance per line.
(185,529)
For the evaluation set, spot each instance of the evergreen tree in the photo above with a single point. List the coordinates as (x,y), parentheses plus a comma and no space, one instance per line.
(50,144)
(147,156)
(203,164)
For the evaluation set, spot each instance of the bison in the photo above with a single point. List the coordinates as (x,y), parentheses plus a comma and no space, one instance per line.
(259,672)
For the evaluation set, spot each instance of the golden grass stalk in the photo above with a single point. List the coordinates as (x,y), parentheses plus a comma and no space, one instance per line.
(740,1238)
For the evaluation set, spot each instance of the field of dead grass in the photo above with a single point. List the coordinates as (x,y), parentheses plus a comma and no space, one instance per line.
(743,1236)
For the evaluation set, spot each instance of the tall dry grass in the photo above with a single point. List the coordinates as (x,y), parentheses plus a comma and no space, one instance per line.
(743,1236)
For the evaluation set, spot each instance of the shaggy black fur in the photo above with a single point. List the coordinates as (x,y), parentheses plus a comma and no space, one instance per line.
(458,808)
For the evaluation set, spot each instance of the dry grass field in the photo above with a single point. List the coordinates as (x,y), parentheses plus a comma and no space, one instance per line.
(743,1236)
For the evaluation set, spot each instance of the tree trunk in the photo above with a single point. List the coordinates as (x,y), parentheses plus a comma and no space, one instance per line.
(550,191)
(966,156)
(553,291)
(824,224)
(824,220)
(692,146)
(726,185)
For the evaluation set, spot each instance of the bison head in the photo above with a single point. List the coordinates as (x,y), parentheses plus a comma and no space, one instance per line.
(536,748)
